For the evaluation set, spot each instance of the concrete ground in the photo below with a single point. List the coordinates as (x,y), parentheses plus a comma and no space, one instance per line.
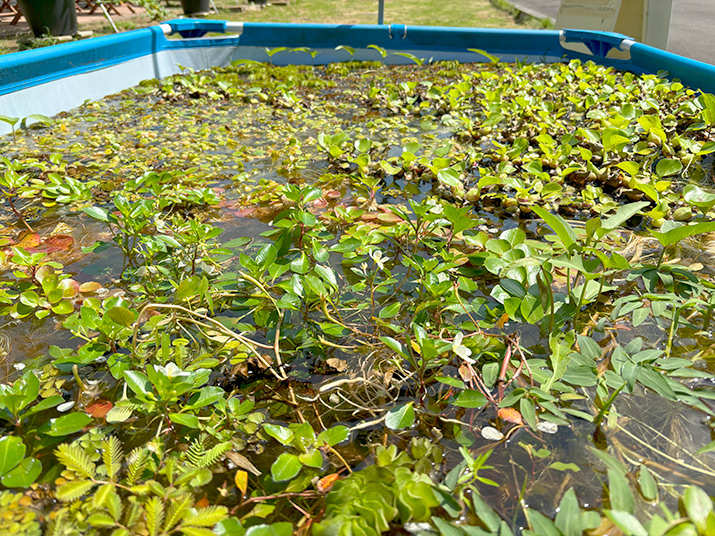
(12,35)
(690,33)
(690,29)
(84,20)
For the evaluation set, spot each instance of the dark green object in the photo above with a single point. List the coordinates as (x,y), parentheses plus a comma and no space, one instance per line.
(53,17)
(192,7)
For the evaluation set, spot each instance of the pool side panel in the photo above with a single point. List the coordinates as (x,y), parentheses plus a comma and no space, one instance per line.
(690,72)
(63,94)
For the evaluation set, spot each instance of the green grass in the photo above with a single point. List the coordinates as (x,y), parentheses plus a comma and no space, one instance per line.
(426,12)
(476,13)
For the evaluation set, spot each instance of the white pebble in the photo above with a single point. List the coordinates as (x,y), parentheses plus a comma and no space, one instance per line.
(547,427)
(492,434)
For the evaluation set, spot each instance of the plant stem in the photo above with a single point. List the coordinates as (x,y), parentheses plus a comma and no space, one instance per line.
(671,332)
(17,213)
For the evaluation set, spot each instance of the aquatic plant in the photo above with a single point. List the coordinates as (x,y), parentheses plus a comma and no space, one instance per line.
(440,298)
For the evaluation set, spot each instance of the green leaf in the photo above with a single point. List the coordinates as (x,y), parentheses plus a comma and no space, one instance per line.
(207,516)
(561,466)
(75,459)
(560,226)
(632,168)
(105,496)
(449,177)
(619,492)
(67,424)
(30,298)
(119,413)
(490,57)
(609,461)
(707,448)
(390,311)
(280,433)
(513,288)
(614,139)
(708,102)
(186,419)
(327,274)
(187,289)
(363,145)
(121,315)
(274,529)
(24,474)
(333,436)
(64,307)
(388,168)
(528,411)
(647,484)
(626,522)
(12,450)
(301,265)
(232,527)
(101,520)
(138,382)
(445,528)
(698,505)
(452,382)
(286,467)
(205,397)
(73,490)
(623,214)
(96,213)
(542,525)
(396,346)
(37,118)
(695,195)
(667,167)
(511,399)
(9,120)
(679,233)
(312,458)
(568,518)
(47,403)
(470,398)
(485,513)
(400,417)
(640,315)
(589,348)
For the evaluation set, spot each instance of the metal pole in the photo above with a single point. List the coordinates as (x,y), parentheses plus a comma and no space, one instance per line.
(106,14)
(380,11)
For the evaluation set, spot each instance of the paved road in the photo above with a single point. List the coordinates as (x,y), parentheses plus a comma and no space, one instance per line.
(692,25)
(691,29)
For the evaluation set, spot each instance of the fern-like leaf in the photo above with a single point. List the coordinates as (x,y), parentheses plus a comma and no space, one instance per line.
(133,514)
(101,496)
(101,520)
(75,459)
(114,505)
(73,490)
(138,460)
(55,526)
(206,517)
(112,456)
(154,512)
(198,457)
(178,509)
(197,531)
(196,451)
(170,469)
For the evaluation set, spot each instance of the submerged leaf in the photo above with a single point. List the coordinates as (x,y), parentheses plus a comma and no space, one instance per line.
(400,417)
